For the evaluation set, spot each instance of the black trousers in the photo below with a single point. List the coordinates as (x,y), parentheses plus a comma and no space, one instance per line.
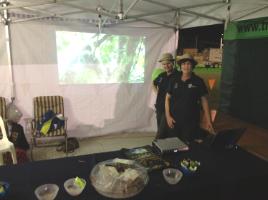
(162,127)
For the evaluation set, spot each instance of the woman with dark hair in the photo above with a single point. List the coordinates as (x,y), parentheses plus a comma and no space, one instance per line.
(186,95)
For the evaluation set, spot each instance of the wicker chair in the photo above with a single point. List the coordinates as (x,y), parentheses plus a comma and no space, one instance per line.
(42,105)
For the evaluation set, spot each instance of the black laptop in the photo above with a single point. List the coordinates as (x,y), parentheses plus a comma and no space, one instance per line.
(225,139)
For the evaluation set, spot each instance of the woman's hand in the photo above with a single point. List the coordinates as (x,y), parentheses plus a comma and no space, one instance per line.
(209,127)
(170,121)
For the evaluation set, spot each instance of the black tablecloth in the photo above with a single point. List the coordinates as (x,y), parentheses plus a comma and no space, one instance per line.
(228,174)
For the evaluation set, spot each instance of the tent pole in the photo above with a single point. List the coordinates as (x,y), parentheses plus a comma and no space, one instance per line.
(6,20)
(177,30)
(179,49)
(180,42)
(227,20)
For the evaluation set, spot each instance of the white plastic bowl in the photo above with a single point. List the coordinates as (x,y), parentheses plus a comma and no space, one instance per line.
(46,191)
(73,189)
(172,175)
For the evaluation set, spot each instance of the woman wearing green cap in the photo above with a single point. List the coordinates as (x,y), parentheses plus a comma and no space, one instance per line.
(160,85)
(186,95)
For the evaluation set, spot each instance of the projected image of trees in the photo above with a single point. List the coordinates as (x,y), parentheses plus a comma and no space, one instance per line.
(85,58)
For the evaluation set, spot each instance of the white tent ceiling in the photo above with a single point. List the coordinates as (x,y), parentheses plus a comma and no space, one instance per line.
(169,13)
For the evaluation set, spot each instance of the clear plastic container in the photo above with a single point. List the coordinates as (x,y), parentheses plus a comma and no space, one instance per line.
(172,175)
(72,188)
(119,178)
(46,191)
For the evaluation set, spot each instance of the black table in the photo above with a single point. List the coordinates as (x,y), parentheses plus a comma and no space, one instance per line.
(228,174)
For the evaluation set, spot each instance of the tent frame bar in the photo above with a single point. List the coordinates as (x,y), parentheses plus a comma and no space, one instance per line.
(252,12)
(203,15)
(94,11)
(82,10)
(157,23)
(130,7)
(155,13)
(23,5)
(185,9)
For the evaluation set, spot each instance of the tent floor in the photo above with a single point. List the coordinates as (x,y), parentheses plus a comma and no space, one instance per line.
(97,144)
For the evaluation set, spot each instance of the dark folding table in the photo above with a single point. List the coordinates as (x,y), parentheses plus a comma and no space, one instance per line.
(226,174)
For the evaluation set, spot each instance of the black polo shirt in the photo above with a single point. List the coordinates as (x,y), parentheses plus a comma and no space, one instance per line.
(185,102)
(162,83)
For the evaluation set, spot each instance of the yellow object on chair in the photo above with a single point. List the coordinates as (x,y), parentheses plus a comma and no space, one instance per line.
(46,126)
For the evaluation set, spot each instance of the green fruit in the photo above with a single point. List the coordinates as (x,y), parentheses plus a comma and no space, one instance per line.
(192,163)
(183,165)
(2,189)
(193,168)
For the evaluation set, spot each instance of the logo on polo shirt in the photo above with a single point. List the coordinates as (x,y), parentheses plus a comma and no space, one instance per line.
(191,85)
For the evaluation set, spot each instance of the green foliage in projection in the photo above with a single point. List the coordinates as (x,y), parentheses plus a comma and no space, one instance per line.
(106,48)
(85,58)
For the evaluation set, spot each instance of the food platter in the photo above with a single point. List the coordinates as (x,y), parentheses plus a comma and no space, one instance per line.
(119,178)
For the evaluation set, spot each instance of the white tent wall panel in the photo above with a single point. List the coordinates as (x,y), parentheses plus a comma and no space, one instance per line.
(94,109)
(33,44)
